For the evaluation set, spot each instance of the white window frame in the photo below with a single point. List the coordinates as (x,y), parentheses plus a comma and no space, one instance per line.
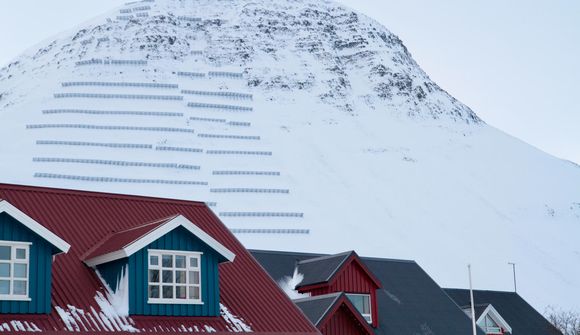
(188,268)
(13,260)
(368,317)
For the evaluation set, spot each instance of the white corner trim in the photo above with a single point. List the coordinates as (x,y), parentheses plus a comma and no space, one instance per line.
(157,233)
(494,314)
(18,215)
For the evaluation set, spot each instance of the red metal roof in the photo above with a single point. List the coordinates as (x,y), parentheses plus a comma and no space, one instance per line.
(85,219)
(117,240)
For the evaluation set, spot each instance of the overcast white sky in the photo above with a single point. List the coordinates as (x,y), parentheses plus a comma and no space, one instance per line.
(516,63)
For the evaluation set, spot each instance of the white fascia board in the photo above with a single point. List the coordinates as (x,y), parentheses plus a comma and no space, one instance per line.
(157,233)
(494,314)
(18,215)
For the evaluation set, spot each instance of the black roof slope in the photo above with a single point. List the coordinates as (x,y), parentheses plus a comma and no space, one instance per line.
(410,302)
(316,307)
(321,269)
(522,317)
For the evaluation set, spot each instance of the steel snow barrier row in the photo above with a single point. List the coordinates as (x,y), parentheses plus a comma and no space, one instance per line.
(262,214)
(117,84)
(182,149)
(143,14)
(189,18)
(233,95)
(115,163)
(207,119)
(239,123)
(238,152)
(125,62)
(249,190)
(103,112)
(219,106)
(141,8)
(232,137)
(118,96)
(125,11)
(102,39)
(118,180)
(89,62)
(234,75)
(191,74)
(269,231)
(124,17)
(96,144)
(245,173)
(97,127)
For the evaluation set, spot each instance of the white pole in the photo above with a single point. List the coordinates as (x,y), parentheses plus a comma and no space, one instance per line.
(472,303)
(514,269)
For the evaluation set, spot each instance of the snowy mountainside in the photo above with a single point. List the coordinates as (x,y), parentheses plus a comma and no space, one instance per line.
(305,126)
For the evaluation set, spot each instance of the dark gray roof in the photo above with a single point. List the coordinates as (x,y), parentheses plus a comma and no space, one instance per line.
(520,315)
(321,269)
(410,302)
(315,308)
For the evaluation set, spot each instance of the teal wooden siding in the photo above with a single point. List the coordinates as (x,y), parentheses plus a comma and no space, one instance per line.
(179,239)
(40,263)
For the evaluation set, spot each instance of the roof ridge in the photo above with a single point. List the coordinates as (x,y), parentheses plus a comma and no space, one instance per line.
(95,194)
(165,219)
(322,258)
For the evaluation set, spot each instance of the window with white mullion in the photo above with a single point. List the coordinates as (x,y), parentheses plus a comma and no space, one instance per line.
(174,277)
(14,270)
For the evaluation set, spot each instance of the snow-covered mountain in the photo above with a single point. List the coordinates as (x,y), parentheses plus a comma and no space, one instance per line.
(306,126)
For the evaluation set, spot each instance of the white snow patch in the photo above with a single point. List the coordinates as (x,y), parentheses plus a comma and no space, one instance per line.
(238,325)
(288,285)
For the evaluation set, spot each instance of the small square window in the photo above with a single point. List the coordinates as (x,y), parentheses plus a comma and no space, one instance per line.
(167,276)
(153,260)
(167,292)
(193,262)
(154,291)
(180,262)
(20,253)
(167,261)
(154,276)
(20,270)
(5,270)
(5,254)
(180,292)
(180,277)
(4,286)
(20,287)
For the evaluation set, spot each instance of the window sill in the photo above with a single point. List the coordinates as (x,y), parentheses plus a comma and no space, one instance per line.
(12,298)
(174,302)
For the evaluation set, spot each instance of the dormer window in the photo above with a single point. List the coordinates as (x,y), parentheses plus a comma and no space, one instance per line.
(174,277)
(362,302)
(490,326)
(14,266)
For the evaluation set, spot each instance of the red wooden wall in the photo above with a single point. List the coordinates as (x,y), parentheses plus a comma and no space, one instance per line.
(342,323)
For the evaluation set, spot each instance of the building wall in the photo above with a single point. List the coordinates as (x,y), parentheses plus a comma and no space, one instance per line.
(352,279)
(40,271)
(342,323)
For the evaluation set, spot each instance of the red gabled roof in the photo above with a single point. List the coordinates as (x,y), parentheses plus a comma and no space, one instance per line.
(84,219)
(117,240)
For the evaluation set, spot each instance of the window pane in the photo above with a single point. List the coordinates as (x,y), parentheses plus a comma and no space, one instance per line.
(20,253)
(193,262)
(180,277)
(4,270)
(153,291)
(357,301)
(20,270)
(196,292)
(4,287)
(20,287)
(180,292)
(167,276)
(167,261)
(194,277)
(366,305)
(153,260)
(180,262)
(5,252)
(154,276)
(168,292)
